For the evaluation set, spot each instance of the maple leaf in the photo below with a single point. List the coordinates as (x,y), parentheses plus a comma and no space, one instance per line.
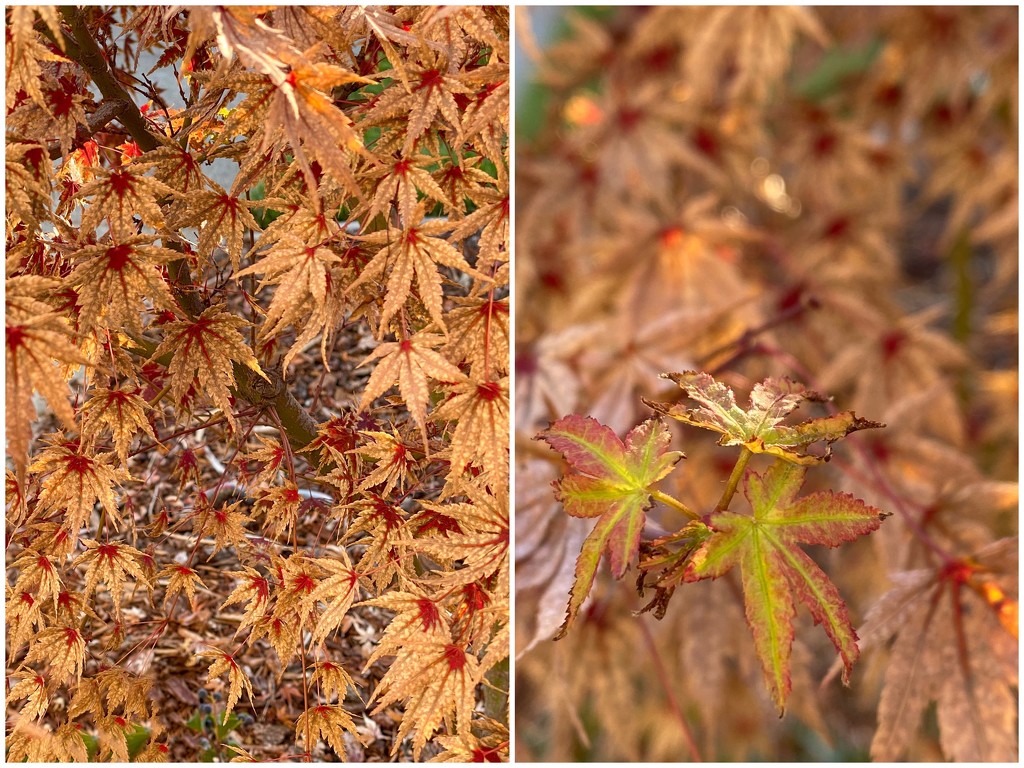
(218,215)
(304,287)
(119,195)
(332,679)
(298,578)
(113,733)
(478,328)
(386,529)
(417,616)
(283,630)
(415,251)
(76,478)
(402,182)
(467,747)
(112,279)
(950,645)
(25,51)
(301,111)
(237,680)
(326,721)
(37,574)
(226,523)
(121,411)
(279,506)
(775,570)
(480,409)
(610,480)
(409,363)
(176,167)
(432,93)
(62,648)
(27,184)
(338,589)
(30,745)
(481,541)
(758,429)
(68,745)
(202,352)
(32,688)
(493,221)
(14,500)
(270,455)
(110,563)
(253,588)
(395,461)
(436,679)
(182,578)
(37,339)
(24,618)
(123,689)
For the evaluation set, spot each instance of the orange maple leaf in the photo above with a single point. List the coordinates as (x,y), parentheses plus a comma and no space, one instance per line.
(111,564)
(112,279)
(326,721)
(410,363)
(237,680)
(416,251)
(36,338)
(203,350)
(121,411)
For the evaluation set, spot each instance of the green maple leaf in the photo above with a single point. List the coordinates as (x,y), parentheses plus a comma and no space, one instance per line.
(775,570)
(609,480)
(758,428)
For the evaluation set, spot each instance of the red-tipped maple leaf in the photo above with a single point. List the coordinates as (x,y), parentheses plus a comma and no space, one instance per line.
(415,251)
(113,278)
(610,480)
(225,662)
(326,721)
(203,350)
(775,570)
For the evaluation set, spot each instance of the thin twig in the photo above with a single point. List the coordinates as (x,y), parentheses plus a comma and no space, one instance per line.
(670,696)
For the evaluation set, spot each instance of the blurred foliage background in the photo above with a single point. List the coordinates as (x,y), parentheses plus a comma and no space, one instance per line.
(828,194)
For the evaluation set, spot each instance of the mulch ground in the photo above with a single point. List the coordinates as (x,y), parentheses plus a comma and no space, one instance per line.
(179,675)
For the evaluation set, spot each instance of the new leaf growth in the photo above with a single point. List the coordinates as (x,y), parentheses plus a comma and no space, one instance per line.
(610,480)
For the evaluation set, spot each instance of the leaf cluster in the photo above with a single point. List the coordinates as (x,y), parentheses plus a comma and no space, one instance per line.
(752,197)
(258,378)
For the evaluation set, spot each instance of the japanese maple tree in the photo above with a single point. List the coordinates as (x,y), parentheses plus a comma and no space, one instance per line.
(747,198)
(257,392)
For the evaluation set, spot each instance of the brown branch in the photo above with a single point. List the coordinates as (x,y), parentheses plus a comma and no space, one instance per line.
(299,425)
(92,60)
(107,111)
